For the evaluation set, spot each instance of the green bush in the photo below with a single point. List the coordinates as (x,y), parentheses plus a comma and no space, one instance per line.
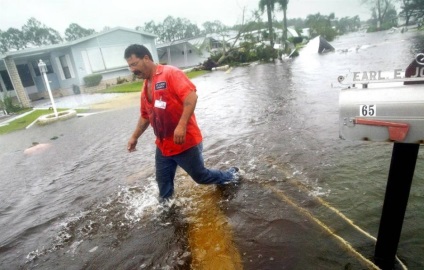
(6,104)
(92,80)
(265,53)
(296,40)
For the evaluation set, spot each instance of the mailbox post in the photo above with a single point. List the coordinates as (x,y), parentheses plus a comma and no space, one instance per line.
(387,109)
(399,182)
(43,70)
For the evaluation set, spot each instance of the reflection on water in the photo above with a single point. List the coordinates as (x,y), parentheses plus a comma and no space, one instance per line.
(210,236)
(307,198)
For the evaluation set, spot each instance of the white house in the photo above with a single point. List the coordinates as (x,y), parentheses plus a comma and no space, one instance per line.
(68,64)
(191,52)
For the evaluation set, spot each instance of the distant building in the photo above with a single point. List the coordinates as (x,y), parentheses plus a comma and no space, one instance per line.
(68,64)
(190,52)
(186,53)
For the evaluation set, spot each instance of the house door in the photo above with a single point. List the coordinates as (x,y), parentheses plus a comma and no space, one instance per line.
(26,78)
(51,76)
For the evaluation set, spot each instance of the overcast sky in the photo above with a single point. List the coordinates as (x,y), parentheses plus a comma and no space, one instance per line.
(97,14)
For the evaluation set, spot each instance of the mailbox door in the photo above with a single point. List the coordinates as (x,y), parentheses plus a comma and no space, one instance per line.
(383,114)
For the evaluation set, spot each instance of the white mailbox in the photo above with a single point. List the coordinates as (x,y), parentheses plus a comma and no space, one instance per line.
(380,106)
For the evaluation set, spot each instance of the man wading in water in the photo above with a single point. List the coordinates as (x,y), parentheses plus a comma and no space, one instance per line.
(168,100)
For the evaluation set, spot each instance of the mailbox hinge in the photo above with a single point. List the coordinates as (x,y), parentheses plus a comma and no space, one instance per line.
(350,122)
(397,131)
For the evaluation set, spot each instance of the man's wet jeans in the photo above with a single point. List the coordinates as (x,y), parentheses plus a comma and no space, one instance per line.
(192,162)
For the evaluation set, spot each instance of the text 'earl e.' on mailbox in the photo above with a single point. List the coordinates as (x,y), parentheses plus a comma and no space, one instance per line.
(383,106)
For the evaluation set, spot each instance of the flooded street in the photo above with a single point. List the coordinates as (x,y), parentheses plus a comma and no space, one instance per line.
(308,199)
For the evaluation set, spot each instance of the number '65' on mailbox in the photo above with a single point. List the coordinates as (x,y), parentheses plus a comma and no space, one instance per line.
(384,108)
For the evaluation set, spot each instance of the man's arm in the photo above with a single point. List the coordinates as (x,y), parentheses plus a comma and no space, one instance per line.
(142,125)
(181,129)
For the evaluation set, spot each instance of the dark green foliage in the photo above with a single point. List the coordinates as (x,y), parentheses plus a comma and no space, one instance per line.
(34,33)
(37,34)
(93,80)
(320,25)
(74,32)
(7,105)
(296,40)
(265,53)
(171,29)
(248,52)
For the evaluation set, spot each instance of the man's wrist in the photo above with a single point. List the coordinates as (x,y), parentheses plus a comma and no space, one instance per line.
(182,123)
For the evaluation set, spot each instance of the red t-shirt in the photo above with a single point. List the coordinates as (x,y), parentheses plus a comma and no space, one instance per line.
(170,86)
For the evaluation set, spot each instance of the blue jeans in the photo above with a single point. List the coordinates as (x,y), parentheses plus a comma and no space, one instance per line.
(192,162)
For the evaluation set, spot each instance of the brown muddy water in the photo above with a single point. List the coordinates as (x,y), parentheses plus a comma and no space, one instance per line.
(308,200)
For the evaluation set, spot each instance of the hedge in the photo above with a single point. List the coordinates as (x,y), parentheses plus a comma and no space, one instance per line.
(92,80)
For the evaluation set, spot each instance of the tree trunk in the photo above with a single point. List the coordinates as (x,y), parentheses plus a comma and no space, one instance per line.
(378,15)
(285,30)
(271,34)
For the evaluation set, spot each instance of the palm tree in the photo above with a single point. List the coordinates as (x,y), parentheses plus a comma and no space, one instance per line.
(269,5)
(283,5)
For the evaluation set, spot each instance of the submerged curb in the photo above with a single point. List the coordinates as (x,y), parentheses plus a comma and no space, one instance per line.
(51,118)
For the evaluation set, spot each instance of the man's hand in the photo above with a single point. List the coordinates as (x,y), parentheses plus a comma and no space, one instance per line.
(180,134)
(142,125)
(131,144)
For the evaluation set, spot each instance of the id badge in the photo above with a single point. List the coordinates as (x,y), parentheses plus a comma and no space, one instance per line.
(160,104)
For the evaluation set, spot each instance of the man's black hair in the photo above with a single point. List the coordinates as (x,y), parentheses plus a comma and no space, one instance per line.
(138,50)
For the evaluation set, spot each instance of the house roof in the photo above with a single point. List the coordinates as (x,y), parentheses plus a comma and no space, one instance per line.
(197,41)
(291,32)
(44,49)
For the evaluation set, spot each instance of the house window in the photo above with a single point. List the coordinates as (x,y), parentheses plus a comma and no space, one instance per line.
(96,59)
(65,67)
(112,57)
(37,69)
(101,59)
(6,80)
(25,75)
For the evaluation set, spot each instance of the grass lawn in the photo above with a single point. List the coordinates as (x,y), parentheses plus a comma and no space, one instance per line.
(136,86)
(23,122)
